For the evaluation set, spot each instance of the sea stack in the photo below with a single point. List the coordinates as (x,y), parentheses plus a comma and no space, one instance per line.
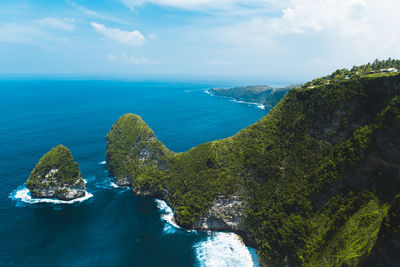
(135,157)
(56,175)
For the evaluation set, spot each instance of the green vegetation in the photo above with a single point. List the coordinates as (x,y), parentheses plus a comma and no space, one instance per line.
(377,68)
(262,94)
(319,173)
(56,167)
(134,154)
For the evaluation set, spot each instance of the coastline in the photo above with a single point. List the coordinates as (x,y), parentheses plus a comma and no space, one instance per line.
(232,99)
(244,236)
(216,240)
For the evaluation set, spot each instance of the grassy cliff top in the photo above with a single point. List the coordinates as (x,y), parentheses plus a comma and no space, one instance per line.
(59,161)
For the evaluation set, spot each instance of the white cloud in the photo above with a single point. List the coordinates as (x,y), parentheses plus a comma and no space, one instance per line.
(67,24)
(83,9)
(306,37)
(358,28)
(15,33)
(34,32)
(203,4)
(316,15)
(95,14)
(133,38)
(39,31)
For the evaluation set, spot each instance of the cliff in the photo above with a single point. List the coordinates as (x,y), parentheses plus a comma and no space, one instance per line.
(56,175)
(261,94)
(316,182)
(134,156)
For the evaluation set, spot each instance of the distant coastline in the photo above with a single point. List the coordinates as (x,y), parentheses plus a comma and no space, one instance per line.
(262,96)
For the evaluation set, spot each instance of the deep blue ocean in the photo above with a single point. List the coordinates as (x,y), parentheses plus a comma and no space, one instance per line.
(113,227)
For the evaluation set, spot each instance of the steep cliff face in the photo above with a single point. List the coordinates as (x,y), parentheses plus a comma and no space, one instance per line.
(56,176)
(226,214)
(315,182)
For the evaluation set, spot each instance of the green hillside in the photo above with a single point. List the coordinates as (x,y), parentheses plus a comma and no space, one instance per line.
(261,94)
(320,174)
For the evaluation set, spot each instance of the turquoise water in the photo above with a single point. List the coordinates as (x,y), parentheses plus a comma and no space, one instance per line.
(112,227)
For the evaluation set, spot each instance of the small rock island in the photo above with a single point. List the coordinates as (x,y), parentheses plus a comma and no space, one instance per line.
(56,175)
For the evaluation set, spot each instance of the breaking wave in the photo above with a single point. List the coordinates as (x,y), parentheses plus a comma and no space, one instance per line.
(167,216)
(224,249)
(22,195)
(109,183)
(258,105)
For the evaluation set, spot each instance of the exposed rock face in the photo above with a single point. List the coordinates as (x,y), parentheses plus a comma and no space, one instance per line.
(56,176)
(226,214)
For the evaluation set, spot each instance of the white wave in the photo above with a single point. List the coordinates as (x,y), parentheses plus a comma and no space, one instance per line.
(102,163)
(22,194)
(224,249)
(254,256)
(109,183)
(259,105)
(114,185)
(167,215)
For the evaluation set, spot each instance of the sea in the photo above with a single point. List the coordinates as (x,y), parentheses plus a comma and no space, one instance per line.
(110,226)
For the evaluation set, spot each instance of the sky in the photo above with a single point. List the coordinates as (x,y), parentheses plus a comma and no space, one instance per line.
(275,40)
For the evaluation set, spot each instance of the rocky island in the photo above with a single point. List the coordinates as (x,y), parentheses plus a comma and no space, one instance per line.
(56,175)
(316,182)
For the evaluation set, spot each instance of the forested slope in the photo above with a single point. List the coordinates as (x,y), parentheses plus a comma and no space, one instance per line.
(318,178)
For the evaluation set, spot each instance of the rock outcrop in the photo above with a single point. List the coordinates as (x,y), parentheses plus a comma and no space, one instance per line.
(56,176)
(133,152)
(226,214)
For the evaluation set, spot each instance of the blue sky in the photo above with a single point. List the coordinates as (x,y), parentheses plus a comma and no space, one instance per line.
(275,40)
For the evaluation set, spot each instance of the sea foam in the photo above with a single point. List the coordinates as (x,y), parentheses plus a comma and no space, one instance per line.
(109,183)
(22,194)
(258,105)
(218,249)
(167,216)
(224,249)
(102,163)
